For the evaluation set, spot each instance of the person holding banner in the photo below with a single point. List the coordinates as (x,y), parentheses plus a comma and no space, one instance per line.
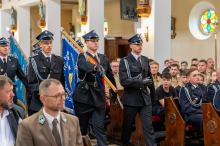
(89,96)
(136,78)
(9,65)
(42,65)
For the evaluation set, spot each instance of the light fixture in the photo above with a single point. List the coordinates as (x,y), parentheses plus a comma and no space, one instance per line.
(42,21)
(13,20)
(105,28)
(146,34)
(143,8)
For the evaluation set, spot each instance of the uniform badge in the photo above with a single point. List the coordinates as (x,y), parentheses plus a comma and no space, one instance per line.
(41,119)
(64,119)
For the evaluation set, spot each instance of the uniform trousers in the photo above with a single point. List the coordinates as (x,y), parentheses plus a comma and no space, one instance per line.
(129,114)
(85,113)
(196,120)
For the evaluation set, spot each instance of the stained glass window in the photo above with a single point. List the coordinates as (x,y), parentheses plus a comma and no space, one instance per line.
(208,21)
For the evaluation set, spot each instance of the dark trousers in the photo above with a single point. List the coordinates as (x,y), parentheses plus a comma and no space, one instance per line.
(86,112)
(129,114)
(196,120)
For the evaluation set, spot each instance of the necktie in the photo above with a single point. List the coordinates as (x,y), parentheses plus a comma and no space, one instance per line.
(139,60)
(55,132)
(5,63)
(48,59)
(96,59)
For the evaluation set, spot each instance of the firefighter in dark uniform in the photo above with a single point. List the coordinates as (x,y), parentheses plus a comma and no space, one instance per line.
(135,77)
(212,90)
(89,96)
(191,97)
(9,65)
(42,65)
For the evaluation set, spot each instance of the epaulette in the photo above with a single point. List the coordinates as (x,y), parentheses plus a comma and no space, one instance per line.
(34,55)
(13,56)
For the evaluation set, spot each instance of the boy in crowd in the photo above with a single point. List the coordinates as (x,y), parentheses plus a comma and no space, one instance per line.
(183,81)
(174,70)
(163,91)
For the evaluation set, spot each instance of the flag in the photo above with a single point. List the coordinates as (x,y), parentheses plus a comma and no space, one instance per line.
(16,52)
(69,55)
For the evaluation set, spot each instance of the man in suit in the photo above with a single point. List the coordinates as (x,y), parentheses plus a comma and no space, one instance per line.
(89,95)
(42,65)
(50,126)
(190,98)
(10,114)
(135,77)
(9,65)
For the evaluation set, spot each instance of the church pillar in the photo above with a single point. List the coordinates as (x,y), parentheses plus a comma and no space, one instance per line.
(95,14)
(53,23)
(158,46)
(23,29)
(5,22)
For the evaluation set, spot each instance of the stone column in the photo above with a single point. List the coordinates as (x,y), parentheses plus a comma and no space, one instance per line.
(95,14)
(53,23)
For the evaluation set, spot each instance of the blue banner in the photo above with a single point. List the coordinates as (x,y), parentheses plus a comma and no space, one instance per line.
(16,52)
(69,55)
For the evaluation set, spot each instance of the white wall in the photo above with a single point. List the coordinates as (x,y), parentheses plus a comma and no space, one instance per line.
(185,46)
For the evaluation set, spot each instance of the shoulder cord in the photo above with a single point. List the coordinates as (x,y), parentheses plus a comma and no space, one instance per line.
(34,65)
(190,99)
(213,101)
(129,72)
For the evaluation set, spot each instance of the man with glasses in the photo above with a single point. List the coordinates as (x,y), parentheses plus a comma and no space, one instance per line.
(89,95)
(9,65)
(190,97)
(42,65)
(50,126)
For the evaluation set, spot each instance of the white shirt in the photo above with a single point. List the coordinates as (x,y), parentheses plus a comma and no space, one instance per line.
(195,86)
(135,56)
(45,55)
(3,58)
(6,136)
(50,120)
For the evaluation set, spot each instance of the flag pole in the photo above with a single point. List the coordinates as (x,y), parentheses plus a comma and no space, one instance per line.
(93,62)
(16,43)
(89,58)
(216,51)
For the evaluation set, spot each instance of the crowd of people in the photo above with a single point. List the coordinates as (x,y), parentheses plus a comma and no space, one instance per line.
(145,90)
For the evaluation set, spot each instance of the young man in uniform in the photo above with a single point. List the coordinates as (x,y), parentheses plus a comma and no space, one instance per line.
(89,96)
(135,77)
(42,65)
(9,66)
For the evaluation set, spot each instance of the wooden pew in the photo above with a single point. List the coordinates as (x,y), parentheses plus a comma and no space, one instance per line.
(211,125)
(137,137)
(175,124)
(115,127)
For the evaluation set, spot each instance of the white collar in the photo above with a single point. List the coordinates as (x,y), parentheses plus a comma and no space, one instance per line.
(93,54)
(5,114)
(195,85)
(135,55)
(45,54)
(51,118)
(3,58)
